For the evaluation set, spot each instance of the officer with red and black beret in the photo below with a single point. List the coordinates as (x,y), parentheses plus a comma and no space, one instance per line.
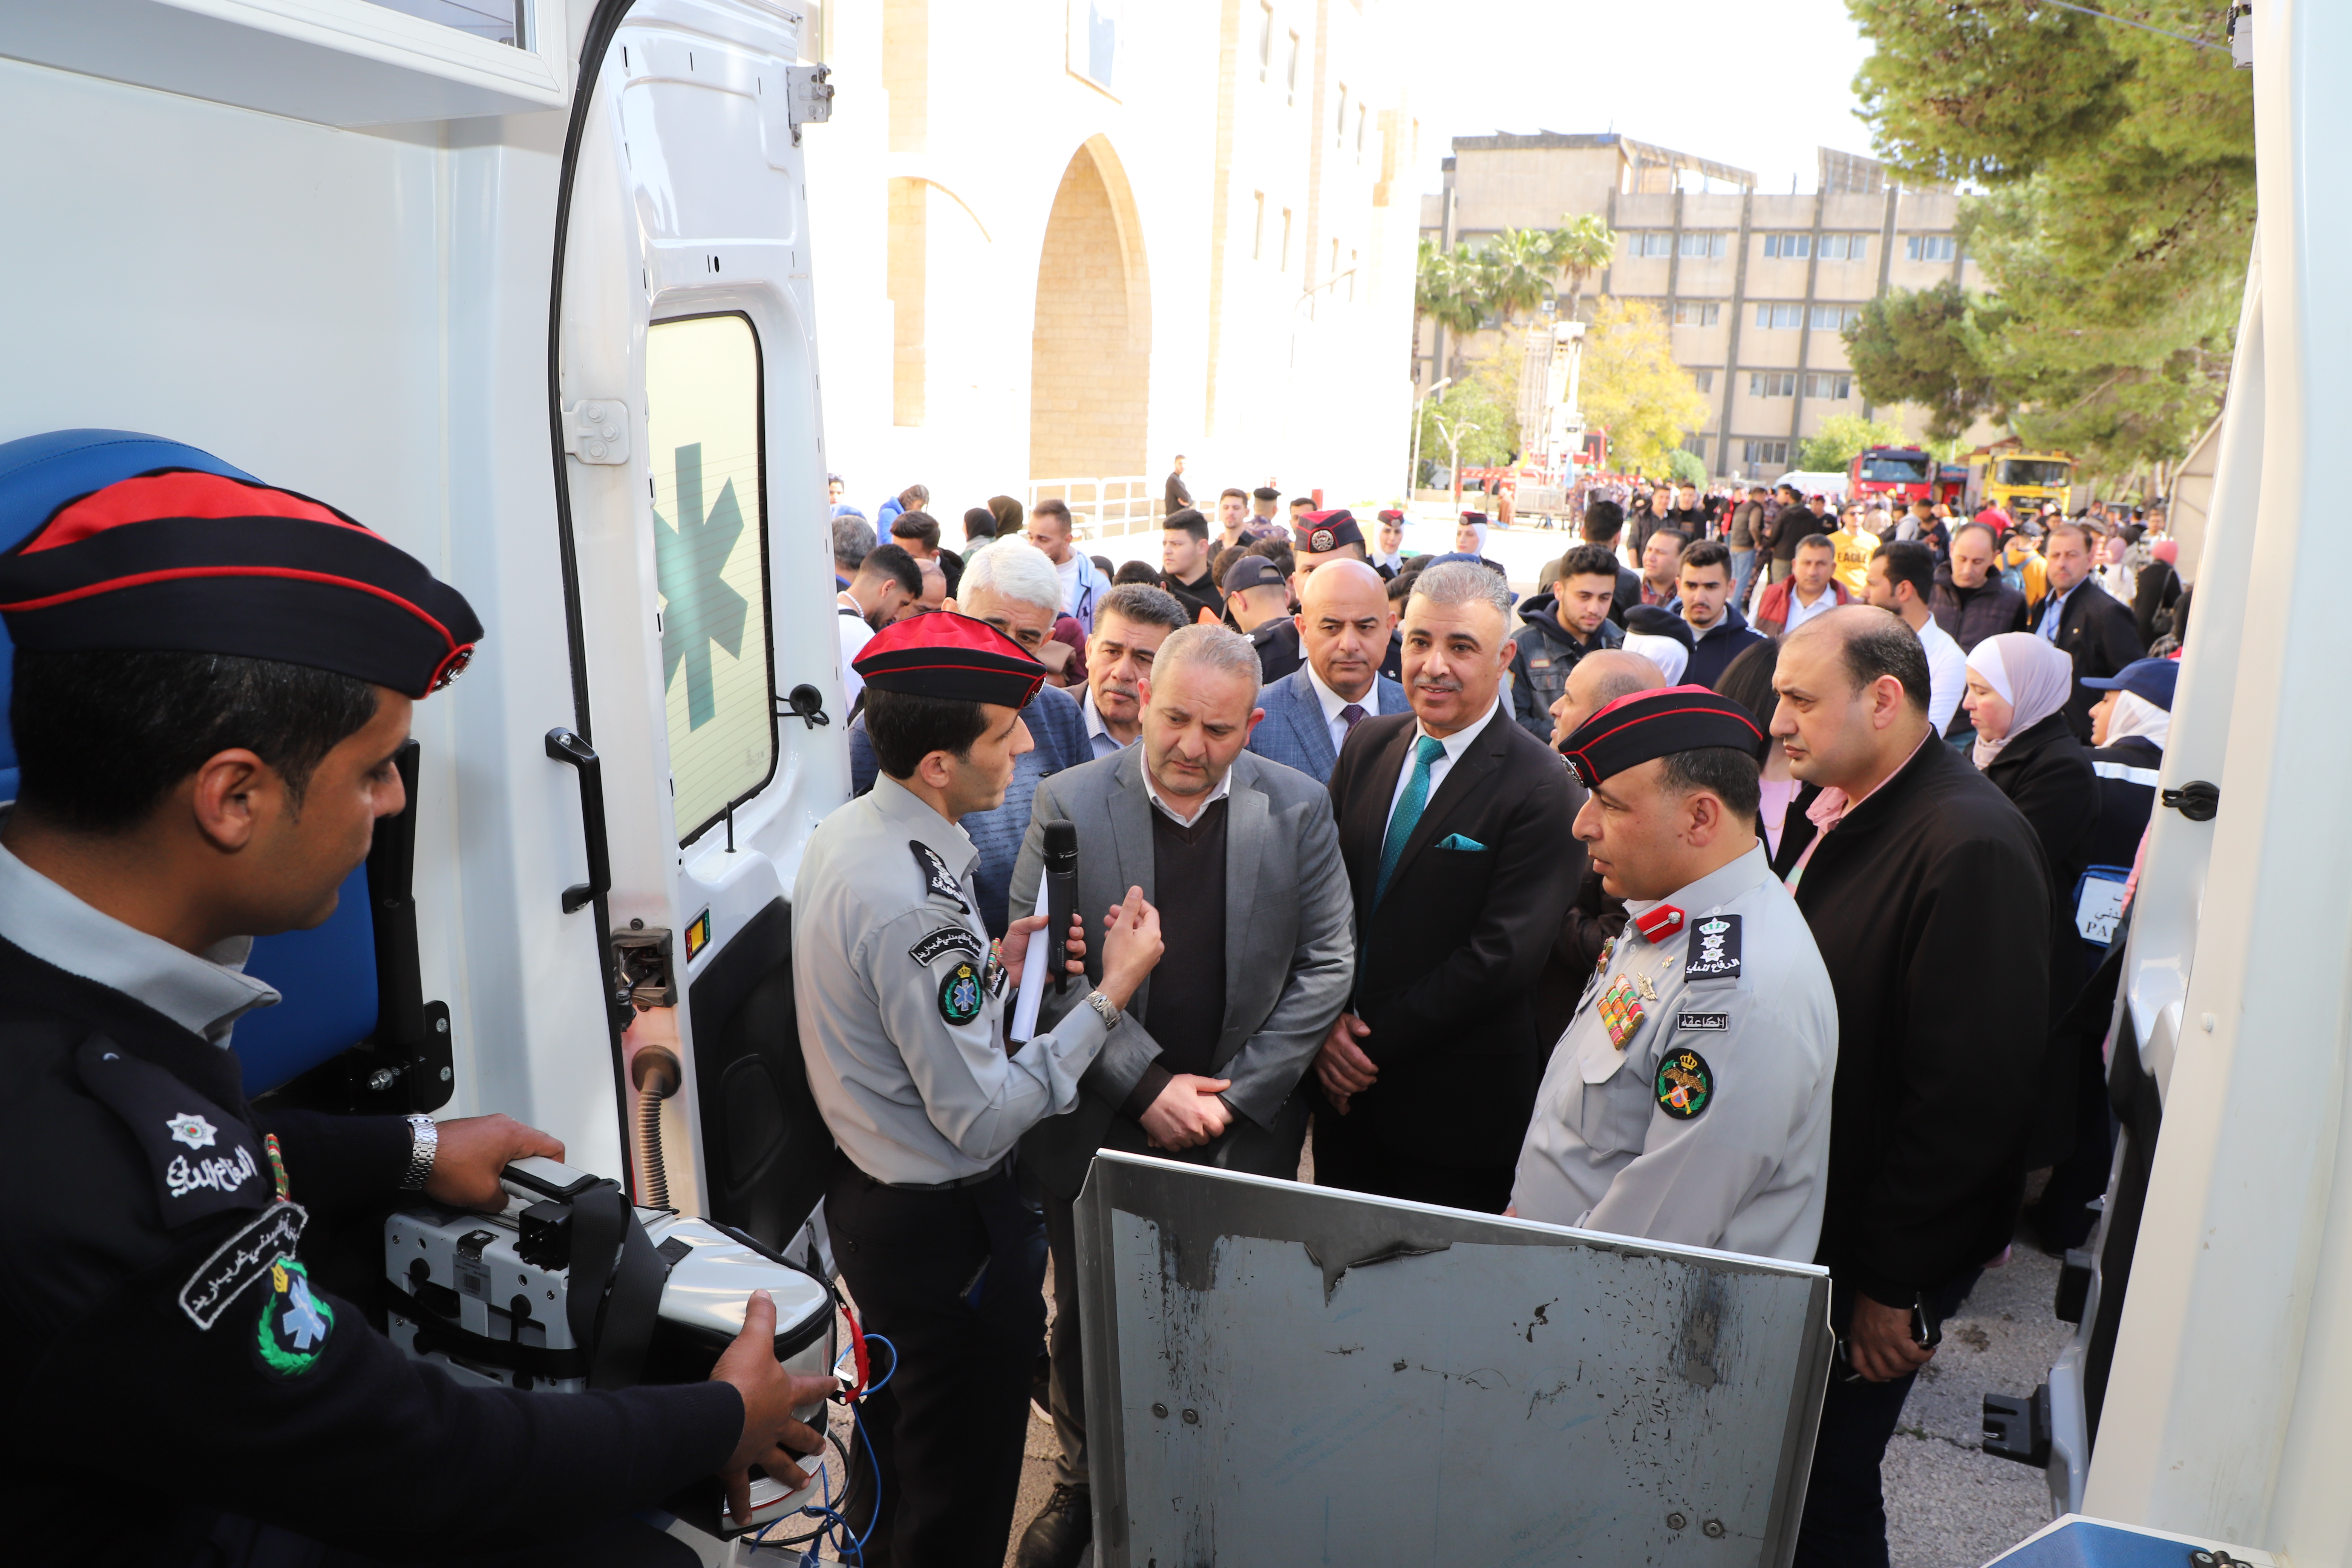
(212,680)
(1689,1099)
(905,1006)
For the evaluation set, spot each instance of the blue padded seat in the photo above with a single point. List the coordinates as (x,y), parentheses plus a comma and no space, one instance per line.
(327,975)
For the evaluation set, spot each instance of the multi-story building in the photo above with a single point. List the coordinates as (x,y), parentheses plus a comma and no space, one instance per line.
(1058,242)
(1757,286)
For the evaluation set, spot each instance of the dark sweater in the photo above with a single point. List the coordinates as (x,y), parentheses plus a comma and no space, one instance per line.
(1939,1078)
(1187,1010)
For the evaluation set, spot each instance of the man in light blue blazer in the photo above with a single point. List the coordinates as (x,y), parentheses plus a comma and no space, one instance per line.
(1344,632)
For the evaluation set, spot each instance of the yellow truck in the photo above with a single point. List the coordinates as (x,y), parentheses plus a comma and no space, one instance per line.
(2008,478)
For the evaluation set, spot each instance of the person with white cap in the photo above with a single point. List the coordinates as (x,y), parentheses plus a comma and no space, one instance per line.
(1661,636)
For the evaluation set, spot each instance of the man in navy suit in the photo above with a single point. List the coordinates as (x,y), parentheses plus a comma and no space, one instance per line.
(1454,824)
(1344,629)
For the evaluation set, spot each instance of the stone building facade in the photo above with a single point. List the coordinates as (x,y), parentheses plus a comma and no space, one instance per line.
(1065,240)
(1757,286)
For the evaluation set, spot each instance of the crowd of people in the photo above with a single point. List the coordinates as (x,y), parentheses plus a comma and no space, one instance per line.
(1626,905)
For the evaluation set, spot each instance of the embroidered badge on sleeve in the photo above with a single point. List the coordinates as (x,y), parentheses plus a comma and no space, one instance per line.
(942,942)
(937,878)
(959,993)
(1714,948)
(1685,1085)
(295,1323)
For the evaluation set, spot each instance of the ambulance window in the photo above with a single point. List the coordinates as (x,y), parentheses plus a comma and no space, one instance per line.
(710,549)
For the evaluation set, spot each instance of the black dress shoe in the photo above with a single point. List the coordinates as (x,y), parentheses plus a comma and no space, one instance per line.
(1058,1538)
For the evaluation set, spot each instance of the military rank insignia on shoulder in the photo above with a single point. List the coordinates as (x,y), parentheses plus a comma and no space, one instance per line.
(937,878)
(961,993)
(1685,1085)
(1714,948)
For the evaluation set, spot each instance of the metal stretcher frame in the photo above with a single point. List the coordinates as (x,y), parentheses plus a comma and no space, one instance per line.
(1287,1375)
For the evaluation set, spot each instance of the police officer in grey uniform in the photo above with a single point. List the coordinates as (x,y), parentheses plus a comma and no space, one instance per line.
(903,1005)
(1689,1099)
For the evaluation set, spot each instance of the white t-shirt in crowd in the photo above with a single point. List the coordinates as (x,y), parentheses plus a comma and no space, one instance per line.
(1948,675)
(854,635)
(1069,573)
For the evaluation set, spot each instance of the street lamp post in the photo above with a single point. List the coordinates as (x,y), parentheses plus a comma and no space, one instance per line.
(1413,475)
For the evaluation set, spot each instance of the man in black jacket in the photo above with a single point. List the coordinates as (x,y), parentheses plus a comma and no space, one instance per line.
(1455,825)
(1970,602)
(2090,626)
(1901,854)
(1568,621)
(204,755)
(1604,525)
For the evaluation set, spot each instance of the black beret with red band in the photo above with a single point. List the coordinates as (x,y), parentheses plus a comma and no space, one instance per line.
(1645,724)
(942,654)
(176,560)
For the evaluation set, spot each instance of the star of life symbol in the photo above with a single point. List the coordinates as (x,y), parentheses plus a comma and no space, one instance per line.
(302,1324)
(194,1131)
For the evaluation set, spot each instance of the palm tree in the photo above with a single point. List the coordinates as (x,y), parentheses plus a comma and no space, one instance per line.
(1580,247)
(1447,287)
(1518,269)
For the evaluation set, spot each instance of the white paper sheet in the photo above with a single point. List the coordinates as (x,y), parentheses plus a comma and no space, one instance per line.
(1033,977)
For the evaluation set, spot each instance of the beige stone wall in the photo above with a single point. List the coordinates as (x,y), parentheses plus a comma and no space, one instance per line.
(1088,393)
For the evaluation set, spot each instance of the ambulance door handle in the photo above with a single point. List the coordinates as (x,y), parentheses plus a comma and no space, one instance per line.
(569,749)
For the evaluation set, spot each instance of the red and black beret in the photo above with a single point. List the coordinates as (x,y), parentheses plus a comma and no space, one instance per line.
(1320,532)
(1645,724)
(177,560)
(942,654)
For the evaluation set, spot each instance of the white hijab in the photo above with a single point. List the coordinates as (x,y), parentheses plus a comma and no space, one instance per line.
(2136,715)
(2033,677)
(1667,653)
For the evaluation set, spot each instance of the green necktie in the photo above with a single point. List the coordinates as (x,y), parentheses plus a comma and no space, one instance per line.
(1407,815)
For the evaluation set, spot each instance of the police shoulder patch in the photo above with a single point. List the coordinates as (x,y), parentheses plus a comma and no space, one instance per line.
(937,878)
(1685,1085)
(241,1260)
(942,942)
(295,1322)
(1714,948)
(959,993)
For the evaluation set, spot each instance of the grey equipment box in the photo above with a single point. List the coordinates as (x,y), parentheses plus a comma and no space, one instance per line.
(1280,1374)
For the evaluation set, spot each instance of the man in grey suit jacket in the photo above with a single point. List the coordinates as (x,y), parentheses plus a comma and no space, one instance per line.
(1241,858)
(1343,629)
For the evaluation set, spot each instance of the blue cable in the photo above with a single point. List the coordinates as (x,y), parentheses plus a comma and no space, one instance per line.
(870,1339)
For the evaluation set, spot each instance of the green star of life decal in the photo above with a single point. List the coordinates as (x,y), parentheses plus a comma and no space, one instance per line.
(691,558)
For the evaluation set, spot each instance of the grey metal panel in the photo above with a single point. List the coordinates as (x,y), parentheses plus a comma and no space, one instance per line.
(1281,1374)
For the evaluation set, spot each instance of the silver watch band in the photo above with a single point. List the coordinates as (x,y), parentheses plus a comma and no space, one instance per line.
(1104,1008)
(424,1139)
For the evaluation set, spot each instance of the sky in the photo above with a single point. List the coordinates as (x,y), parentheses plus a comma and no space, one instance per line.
(1756,85)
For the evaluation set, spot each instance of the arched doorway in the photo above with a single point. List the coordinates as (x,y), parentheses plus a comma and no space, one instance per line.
(1090,351)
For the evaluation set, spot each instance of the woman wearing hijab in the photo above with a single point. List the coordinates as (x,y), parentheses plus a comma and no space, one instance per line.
(2018,687)
(2130,726)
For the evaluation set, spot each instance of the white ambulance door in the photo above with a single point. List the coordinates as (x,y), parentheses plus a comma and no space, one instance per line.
(700,535)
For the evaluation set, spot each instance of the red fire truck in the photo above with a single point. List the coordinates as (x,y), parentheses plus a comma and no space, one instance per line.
(1902,474)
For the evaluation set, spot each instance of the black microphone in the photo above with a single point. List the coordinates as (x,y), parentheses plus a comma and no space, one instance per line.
(1061,896)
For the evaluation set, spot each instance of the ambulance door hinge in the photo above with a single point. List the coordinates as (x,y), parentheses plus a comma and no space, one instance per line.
(643,973)
(596,430)
(808,97)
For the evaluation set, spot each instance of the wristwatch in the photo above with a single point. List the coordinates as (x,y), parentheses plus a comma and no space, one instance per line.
(1103,1009)
(424,1139)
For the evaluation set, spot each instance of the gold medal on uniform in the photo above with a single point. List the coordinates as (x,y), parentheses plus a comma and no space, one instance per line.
(1620,1006)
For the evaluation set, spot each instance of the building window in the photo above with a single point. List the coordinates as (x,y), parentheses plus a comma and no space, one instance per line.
(1759,453)
(710,546)
(1695,445)
(1340,125)
(1779,318)
(1789,247)
(1654,243)
(1704,380)
(1286,239)
(1845,248)
(1771,384)
(1709,245)
(1265,43)
(1290,74)
(1835,386)
(1359,133)
(1257,228)
(1697,312)
(1930,247)
(1835,317)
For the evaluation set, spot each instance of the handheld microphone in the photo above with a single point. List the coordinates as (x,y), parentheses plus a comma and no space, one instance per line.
(1061,896)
